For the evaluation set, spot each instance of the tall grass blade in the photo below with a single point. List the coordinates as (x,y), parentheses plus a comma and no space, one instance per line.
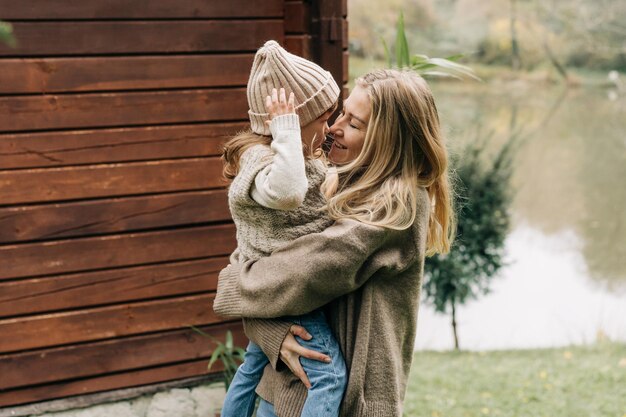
(402,45)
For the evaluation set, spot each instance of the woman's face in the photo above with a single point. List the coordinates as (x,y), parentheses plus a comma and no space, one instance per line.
(350,127)
(315,132)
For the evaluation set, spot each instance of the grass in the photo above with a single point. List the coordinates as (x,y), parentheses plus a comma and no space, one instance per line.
(583,381)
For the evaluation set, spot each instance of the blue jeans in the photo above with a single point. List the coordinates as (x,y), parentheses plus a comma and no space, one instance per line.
(328,380)
(265,409)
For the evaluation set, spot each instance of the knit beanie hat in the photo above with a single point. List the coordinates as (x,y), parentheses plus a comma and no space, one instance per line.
(314,89)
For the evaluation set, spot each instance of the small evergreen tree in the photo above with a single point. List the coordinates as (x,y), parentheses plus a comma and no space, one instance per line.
(482,200)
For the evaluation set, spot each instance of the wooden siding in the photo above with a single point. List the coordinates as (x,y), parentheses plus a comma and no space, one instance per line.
(318,30)
(114,222)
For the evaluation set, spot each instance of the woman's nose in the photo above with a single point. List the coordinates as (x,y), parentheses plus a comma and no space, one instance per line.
(334,129)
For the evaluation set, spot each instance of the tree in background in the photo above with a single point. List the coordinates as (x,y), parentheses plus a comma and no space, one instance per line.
(482,202)
(595,31)
(531,34)
(516,60)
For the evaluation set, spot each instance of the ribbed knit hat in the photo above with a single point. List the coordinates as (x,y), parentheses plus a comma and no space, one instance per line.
(314,89)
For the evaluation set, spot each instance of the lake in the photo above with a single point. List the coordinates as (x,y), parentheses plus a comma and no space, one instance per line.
(565,279)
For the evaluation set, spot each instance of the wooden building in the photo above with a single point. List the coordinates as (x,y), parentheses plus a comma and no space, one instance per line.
(113,214)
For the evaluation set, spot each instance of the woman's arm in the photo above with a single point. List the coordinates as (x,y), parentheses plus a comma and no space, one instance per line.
(277,341)
(308,272)
(268,334)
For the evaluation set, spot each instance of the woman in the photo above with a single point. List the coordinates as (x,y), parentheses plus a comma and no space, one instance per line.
(391,206)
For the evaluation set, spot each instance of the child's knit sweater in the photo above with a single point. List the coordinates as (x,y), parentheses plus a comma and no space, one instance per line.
(276,195)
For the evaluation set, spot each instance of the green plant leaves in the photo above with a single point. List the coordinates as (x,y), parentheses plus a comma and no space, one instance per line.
(6,34)
(197,330)
(217,353)
(240,353)
(387,54)
(229,341)
(442,67)
(227,353)
(402,45)
(422,64)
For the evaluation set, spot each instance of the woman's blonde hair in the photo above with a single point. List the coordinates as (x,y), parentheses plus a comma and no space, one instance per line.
(236,146)
(403,149)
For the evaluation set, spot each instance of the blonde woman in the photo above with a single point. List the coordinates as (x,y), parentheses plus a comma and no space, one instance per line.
(392,206)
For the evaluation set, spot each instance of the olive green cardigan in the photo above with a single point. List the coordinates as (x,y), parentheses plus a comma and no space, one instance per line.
(369,280)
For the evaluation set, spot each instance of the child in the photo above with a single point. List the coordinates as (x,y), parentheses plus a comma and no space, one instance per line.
(275,197)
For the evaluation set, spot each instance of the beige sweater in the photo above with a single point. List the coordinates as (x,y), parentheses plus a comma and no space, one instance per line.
(369,278)
(276,198)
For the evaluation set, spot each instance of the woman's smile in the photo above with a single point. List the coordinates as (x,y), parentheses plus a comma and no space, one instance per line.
(349,128)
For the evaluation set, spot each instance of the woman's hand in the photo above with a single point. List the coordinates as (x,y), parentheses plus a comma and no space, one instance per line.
(277,104)
(291,350)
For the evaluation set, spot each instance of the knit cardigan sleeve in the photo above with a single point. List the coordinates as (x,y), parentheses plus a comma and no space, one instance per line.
(269,335)
(282,185)
(311,271)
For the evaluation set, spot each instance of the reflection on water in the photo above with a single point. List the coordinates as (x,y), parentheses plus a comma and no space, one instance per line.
(544,298)
(567,277)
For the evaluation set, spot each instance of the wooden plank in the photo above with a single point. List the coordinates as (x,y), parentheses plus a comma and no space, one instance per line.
(30,296)
(124,9)
(299,45)
(93,146)
(100,358)
(85,254)
(115,215)
(330,38)
(121,109)
(46,75)
(346,67)
(141,37)
(297,17)
(107,382)
(106,322)
(105,180)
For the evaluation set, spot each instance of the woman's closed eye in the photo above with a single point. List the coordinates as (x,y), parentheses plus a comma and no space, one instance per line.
(341,114)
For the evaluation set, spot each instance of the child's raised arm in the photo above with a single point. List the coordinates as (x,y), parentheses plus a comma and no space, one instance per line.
(282,185)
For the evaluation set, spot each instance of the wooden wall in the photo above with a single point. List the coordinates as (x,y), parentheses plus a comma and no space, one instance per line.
(113,214)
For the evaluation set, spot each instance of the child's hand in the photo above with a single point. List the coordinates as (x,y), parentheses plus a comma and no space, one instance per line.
(277,104)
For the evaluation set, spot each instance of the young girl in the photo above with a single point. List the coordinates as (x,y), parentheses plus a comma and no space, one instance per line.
(275,197)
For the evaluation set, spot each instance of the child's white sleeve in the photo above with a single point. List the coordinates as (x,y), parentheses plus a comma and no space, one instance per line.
(282,185)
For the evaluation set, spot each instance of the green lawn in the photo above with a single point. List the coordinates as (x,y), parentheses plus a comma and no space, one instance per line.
(568,382)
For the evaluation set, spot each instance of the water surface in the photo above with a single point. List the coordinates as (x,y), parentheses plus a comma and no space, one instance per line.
(566,278)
